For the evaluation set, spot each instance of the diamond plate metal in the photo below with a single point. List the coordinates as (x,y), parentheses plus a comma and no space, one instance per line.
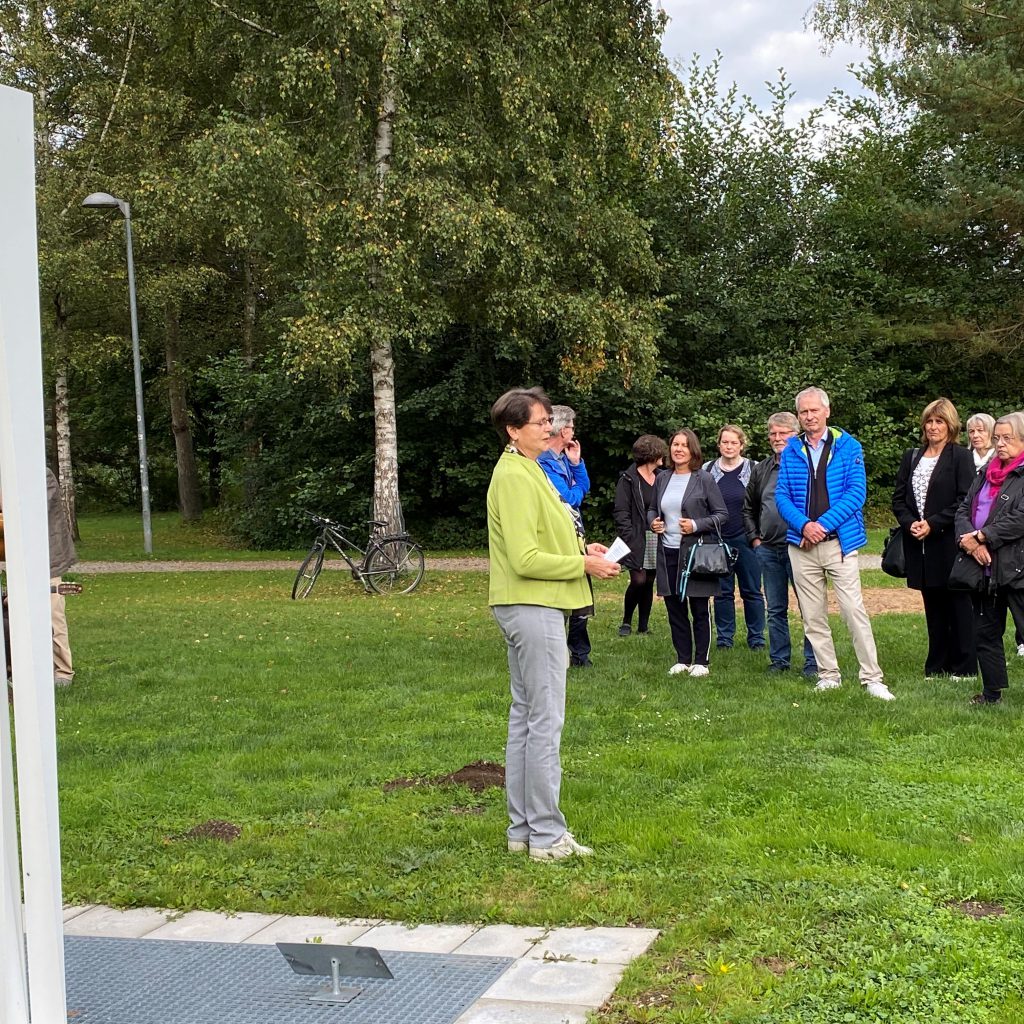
(162,981)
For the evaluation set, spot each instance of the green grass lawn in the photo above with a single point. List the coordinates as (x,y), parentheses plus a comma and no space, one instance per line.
(801,852)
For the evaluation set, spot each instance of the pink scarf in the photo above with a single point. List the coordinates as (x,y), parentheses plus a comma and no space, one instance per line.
(997,472)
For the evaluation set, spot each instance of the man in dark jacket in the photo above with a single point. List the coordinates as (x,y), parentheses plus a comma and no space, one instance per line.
(766,531)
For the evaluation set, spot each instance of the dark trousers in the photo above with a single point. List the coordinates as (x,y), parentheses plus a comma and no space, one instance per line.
(579,640)
(949,617)
(777,574)
(748,574)
(692,642)
(639,598)
(989,626)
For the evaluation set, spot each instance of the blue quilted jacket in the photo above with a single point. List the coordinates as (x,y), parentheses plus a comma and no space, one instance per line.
(847,489)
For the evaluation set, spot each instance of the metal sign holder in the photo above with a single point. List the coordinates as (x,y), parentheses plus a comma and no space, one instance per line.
(335,962)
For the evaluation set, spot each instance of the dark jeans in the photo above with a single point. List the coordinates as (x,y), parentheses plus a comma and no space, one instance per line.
(989,626)
(639,598)
(948,616)
(777,575)
(579,640)
(748,574)
(692,644)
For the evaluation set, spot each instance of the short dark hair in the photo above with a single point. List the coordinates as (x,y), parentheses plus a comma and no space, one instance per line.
(696,455)
(649,448)
(514,407)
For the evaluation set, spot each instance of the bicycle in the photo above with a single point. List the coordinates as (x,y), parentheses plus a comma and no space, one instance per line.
(391,562)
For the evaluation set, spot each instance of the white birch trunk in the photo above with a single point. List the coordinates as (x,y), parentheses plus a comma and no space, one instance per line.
(62,423)
(387,504)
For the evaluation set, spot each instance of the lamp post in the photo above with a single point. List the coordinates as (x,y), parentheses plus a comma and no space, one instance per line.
(104,200)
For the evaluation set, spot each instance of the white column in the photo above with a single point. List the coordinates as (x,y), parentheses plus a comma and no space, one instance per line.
(22,469)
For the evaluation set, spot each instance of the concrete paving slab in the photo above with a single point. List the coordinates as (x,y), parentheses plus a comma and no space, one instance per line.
(504,1011)
(125,924)
(207,926)
(74,911)
(605,945)
(557,981)
(423,938)
(308,929)
(502,940)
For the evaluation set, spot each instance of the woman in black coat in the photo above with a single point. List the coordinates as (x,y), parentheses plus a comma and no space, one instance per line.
(687,506)
(930,485)
(634,493)
(990,531)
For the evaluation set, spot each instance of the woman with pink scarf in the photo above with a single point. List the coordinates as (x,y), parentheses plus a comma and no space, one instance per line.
(990,529)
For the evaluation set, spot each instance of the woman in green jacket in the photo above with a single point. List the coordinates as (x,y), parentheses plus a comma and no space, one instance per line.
(539,569)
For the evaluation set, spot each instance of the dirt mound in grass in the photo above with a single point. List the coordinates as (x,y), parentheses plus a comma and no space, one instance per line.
(478,776)
(225,831)
(978,908)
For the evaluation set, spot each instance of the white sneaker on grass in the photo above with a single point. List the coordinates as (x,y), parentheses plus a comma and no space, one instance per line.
(677,668)
(517,846)
(879,690)
(699,670)
(1020,650)
(827,684)
(565,847)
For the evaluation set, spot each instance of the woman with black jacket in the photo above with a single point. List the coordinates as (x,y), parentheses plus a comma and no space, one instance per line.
(687,506)
(931,483)
(634,494)
(990,529)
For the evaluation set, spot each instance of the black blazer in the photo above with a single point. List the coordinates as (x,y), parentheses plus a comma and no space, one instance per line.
(630,514)
(929,561)
(704,504)
(1004,529)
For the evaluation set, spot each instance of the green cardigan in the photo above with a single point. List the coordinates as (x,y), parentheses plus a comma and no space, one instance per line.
(536,556)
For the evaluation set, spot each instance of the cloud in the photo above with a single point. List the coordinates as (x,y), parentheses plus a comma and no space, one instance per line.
(756,38)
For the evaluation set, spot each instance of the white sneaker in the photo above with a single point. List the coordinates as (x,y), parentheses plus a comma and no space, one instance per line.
(677,668)
(517,846)
(565,847)
(1020,650)
(879,690)
(827,684)
(699,670)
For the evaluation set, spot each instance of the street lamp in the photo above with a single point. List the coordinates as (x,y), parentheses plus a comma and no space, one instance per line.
(103,200)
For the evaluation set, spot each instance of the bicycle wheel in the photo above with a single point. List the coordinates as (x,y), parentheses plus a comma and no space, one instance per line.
(395,566)
(309,570)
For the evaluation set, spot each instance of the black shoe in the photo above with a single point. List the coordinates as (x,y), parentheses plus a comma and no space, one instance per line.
(576,663)
(757,647)
(625,629)
(986,698)
(775,668)
(724,647)
(643,631)
(810,673)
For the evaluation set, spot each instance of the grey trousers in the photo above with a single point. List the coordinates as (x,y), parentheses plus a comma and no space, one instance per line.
(533,768)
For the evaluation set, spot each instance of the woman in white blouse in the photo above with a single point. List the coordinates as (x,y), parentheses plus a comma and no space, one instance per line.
(931,483)
(979,433)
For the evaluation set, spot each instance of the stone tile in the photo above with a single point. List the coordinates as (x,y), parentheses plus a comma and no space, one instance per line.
(557,981)
(304,929)
(605,945)
(106,921)
(504,1011)
(423,938)
(73,911)
(501,940)
(207,926)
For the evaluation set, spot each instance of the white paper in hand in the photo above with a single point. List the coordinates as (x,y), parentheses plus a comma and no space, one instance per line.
(618,550)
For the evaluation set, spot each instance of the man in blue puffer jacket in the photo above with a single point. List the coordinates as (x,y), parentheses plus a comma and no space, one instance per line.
(821,492)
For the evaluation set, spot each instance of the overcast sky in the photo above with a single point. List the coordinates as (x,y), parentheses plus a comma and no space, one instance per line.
(756,38)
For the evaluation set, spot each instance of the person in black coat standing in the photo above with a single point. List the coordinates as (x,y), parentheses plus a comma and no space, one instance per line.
(634,494)
(687,506)
(931,483)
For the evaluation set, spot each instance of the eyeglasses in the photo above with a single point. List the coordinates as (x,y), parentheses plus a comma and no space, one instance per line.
(546,422)
(1002,438)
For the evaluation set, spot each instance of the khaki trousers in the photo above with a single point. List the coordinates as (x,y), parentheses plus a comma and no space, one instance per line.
(62,669)
(813,568)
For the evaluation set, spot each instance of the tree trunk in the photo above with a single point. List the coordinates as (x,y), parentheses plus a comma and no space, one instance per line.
(252,446)
(62,424)
(387,504)
(189,499)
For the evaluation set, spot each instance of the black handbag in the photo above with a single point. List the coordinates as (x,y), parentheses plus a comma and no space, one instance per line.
(894,558)
(709,559)
(968,574)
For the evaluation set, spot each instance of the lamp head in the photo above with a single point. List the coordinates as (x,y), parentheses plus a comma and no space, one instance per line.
(104,200)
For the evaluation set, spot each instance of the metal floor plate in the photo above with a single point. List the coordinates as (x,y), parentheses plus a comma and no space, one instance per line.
(163,981)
